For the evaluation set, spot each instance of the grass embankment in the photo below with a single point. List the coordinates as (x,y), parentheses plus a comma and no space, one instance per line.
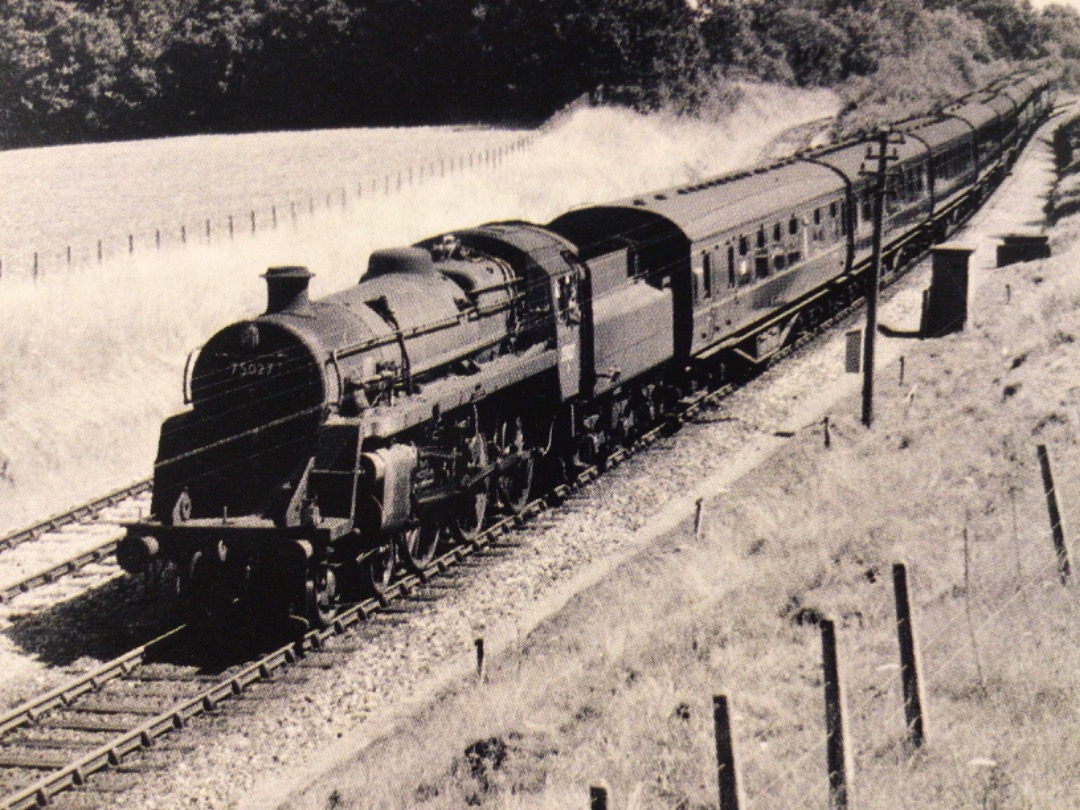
(616,687)
(93,358)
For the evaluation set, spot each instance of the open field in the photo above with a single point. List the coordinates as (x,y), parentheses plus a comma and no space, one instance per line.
(94,357)
(74,195)
(613,683)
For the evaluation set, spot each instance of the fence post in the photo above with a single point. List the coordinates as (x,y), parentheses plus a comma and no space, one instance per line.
(69,255)
(100,252)
(253,220)
(479,645)
(909,664)
(131,243)
(208,231)
(35,265)
(727,776)
(230,226)
(597,798)
(273,216)
(157,239)
(836,754)
(699,516)
(1056,525)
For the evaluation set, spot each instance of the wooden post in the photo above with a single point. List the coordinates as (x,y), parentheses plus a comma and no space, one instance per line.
(881,174)
(230,226)
(35,265)
(100,252)
(597,798)
(903,363)
(131,243)
(825,430)
(69,255)
(727,775)
(273,217)
(1057,526)
(836,754)
(207,230)
(909,664)
(479,644)
(157,239)
(253,220)
(699,516)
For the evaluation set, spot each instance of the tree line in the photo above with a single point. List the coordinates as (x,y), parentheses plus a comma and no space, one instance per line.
(78,70)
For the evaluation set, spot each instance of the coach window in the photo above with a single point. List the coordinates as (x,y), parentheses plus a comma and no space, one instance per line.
(793,225)
(817,216)
(776,232)
(761,266)
(706,279)
(744,245)
(731,265)
(761,237)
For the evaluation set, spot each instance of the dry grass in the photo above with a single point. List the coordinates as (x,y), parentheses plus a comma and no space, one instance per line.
(93,357)
(616,687)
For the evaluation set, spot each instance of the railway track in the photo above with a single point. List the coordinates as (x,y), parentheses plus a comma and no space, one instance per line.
(90,527)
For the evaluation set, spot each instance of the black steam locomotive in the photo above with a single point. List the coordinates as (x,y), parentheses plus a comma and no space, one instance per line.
(331,441)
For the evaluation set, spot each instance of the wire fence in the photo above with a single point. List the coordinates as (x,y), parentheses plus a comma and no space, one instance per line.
(226,227)
(223,227)
(989,636)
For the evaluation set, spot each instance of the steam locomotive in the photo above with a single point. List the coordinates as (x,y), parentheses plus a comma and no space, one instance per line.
(333,442)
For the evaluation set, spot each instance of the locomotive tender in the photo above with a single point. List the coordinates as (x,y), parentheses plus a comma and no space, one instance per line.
(331,441)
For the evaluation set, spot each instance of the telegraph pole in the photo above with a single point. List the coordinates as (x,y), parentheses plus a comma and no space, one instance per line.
(881,176)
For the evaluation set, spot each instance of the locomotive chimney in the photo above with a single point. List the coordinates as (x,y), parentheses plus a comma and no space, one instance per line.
(286,289)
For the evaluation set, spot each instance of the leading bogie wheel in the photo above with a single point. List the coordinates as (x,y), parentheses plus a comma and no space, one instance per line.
(320,596)
(377,568)
(419,544)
